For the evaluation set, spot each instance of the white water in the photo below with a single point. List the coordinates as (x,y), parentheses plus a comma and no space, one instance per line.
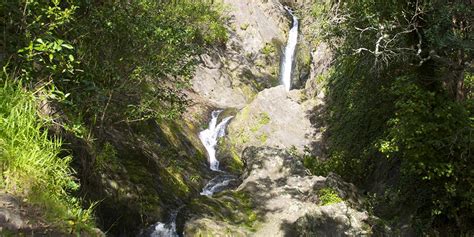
(210,136)
(286,67)
(217,184)
(166,229)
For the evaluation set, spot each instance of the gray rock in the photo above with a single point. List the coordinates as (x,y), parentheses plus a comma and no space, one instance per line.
(274,119)
(230,77)
(332,220)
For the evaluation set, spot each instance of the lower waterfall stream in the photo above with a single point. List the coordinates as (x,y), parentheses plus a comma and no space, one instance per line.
(209,138)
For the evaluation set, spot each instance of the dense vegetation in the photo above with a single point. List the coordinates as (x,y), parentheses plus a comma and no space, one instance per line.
(79,65)
(399,97)
(400,101)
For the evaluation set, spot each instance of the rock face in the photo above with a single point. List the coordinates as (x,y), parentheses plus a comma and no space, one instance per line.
(280,189)
(230,77)
(332,220)
(277,196)
(276,119)
(287,201)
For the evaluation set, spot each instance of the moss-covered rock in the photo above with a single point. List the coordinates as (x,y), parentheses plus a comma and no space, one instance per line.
(265,122)
(229,212)
(142,171)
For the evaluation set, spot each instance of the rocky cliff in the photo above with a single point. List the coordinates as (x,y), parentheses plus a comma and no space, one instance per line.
(277,196)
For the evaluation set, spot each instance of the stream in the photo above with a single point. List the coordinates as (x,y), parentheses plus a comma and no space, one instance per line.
(210,136)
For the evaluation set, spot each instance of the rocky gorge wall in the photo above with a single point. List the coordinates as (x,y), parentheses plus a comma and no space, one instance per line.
(155,168)
(277,196)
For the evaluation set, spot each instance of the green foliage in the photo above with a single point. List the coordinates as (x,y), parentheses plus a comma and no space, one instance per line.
(401,93)
(141,74)
(432,134)
(99,63)
(34,43)
(30,163)
(106,157)
(328,196)
(128,60)
(318,11)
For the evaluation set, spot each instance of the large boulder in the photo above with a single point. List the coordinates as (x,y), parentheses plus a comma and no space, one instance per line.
(275,118)
(283,201)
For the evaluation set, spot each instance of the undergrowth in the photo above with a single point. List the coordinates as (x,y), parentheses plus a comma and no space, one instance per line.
(30,165)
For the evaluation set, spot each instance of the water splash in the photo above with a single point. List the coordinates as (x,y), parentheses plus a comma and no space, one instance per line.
(286,67)
(218,184)
(210,136)
(167,229)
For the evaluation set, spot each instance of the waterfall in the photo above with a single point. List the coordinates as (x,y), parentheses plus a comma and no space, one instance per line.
(209,139)
(210,136)
(289,52)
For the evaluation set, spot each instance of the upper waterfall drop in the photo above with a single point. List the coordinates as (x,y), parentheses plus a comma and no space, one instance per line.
(210,136)
(287,64)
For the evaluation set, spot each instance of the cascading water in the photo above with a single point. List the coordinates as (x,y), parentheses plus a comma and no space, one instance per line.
(166,229)
(287,64)
(218,184)
(209,139)
(210,136)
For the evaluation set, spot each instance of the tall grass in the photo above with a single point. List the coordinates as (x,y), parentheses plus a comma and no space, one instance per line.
(29,163)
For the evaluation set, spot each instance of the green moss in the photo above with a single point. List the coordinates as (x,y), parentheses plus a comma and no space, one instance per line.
(237,164)
(245,113)
(106,157)
(242,137)
(244,26)
(263,138)
(328,196)
(177,179)
(248,91)
(234,207)
(268,49)
(230,157)
(263,119)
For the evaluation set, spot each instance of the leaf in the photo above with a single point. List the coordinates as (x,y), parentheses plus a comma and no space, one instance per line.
(67,46)
(71,58)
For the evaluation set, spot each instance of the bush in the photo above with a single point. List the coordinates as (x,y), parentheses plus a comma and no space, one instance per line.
(401,95)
